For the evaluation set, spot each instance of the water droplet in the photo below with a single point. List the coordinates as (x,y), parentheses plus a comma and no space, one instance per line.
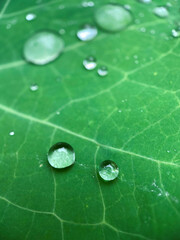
(34,87)
(61,155)
(143,29)
(128,7)
(58,113)
(108,170)
(62,31)
(11,133)
(88,4)
(176,33)
(145,1)
(30,16)
(102,71)
(112,17)
(161,12)
(87,33)
(43,47)
(90,63)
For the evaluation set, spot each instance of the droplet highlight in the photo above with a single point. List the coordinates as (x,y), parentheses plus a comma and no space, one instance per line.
(11,133)
(87,33)
(102,71)
(30,16)
(34,87)
(161,12)
(112,17)
(176,33)
(43,47)
(89,63)
(61,155)
(108,170)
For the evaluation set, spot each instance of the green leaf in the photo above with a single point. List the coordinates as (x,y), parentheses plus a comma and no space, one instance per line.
(131,116)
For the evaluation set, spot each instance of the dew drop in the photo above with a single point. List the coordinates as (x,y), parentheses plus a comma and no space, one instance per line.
(161,12)
(108,170)
(176,33)
(34,87)
(30,16)
(11,133)
(112,17)
(61,155)
(90,63)
(62,31)
(88,4)
(87,33)
(102,71)
(145,1)
(43,47)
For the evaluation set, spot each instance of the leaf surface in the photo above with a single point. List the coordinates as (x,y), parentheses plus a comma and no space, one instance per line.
(131,116)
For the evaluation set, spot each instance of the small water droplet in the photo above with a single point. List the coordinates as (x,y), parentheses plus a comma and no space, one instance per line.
(61,155)
(176,33)
(145,1)
(34,87)
(62,31)
(88,4)
(128,7)
(43,47)
(87,33)
(30,16)
(90,63)
(108,170)
(11,133)
(152,31)
(102,71)
(113,17)
(58,113)
(161,12)
(143,29)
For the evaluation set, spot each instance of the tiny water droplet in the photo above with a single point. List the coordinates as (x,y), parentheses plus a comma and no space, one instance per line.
(61,155)
(88,4)
(161,12)
(58,113)
(143,29)
(11,133)
(30,16)
(87,33)
(102,71)
(34,87)
(128,7)
(145,1)
(90,63)
(152,31)
(176,33)
(62,31)
(43,47)
(113,17)
(108,170)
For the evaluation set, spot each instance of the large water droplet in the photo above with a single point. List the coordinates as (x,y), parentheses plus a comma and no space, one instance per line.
(102,71)
(30,16)
(87,33)
(43,47)
(61,155)
(112,17)
(34,87)
(89,63)
(161,12)
(176,33)
(108,170)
